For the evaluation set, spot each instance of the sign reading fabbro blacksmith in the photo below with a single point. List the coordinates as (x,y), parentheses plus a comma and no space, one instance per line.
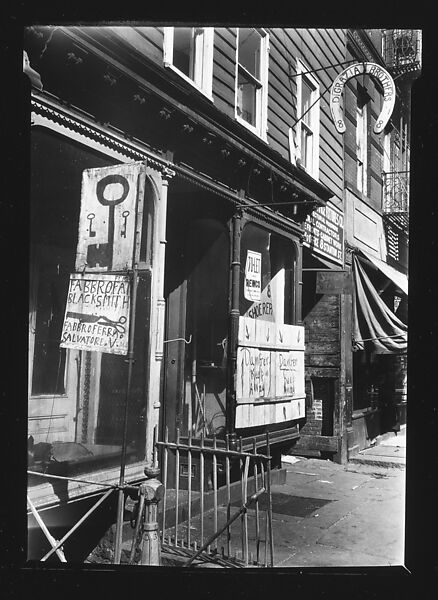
(324,232)
(378,73)
(97,313)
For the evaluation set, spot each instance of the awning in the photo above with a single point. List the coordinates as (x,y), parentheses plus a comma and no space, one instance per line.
(400,279)
(376,327)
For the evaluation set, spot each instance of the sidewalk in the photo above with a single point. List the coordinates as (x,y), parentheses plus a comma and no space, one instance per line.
(330,515)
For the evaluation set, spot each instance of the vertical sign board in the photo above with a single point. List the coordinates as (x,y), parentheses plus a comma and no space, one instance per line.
(97,313)
(324,232)
(253,276)
(109,217)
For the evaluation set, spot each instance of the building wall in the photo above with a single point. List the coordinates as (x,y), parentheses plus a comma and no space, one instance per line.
(315,48)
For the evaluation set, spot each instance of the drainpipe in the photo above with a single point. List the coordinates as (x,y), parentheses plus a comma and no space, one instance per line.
(234,329)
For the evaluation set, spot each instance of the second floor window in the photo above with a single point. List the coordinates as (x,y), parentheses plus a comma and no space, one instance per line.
(362,140)
(252,79)
(189,51)
(308,125)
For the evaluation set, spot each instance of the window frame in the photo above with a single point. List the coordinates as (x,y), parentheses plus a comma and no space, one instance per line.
(362,112)
(293,256)
(203,60)
(315,117)
(261,117)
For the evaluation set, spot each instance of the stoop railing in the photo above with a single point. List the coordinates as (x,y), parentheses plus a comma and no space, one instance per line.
(217,502)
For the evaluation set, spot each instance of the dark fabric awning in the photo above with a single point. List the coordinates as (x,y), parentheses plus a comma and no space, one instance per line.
(376,327)
(399,279)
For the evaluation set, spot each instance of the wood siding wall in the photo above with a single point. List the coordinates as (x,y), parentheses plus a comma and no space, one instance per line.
(375,142)
(316,48)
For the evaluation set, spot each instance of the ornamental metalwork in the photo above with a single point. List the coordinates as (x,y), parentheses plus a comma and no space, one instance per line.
(395,192)
(402,50)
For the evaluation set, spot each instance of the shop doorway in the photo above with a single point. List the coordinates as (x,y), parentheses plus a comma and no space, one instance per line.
(197,303)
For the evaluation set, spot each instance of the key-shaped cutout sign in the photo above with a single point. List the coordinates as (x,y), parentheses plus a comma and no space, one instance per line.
(107,222)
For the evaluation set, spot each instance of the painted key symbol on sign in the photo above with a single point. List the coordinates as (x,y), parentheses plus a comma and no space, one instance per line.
(91,218)
(125,215)
(102,254)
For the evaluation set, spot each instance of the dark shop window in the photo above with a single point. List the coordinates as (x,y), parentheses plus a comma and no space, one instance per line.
(267,294)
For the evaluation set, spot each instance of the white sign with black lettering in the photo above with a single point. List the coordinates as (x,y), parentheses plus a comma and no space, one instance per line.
(253,276)
(97,313)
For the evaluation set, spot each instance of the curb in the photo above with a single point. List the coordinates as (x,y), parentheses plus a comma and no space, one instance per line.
(377,462)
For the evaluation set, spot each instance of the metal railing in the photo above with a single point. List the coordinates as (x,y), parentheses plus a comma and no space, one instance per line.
(217,501)
(402,50)
(395,192)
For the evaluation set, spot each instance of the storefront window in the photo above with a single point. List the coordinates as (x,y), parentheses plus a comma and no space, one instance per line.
(76,397)
(267,276)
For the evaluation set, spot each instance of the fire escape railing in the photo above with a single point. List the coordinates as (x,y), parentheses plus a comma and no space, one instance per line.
(402,50)
(395,192)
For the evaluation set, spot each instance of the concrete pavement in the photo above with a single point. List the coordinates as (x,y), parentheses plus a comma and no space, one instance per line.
(359,515)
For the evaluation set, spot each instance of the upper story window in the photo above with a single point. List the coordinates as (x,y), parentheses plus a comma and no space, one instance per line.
(252,79)
(308,123)
(362,139)
(189,52)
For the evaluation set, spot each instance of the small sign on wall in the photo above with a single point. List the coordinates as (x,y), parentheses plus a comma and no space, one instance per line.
(253,276)
(324,233)
(97,313)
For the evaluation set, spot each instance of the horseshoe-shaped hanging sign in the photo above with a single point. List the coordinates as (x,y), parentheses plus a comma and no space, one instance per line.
(365,68)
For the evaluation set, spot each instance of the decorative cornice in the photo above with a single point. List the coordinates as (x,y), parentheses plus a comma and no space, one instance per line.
(84,125)
(369,52)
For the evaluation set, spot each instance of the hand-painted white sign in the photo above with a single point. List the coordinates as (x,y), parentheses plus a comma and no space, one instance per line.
(270,361)
(108,217)
(378,73)
(253,276)
(324,232)
(97,313)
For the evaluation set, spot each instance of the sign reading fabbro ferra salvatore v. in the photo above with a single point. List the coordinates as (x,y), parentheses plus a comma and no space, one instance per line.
(364,68)
(97,313)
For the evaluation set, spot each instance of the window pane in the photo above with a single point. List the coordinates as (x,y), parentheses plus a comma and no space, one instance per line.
(77,398)
(183,50)
(49,359)
(276,278)
(306,102)
(249,51)
(246,99)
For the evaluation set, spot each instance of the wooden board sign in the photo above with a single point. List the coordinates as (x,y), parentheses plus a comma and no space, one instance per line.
(109,217)
(334,282)
(270,361)
(97,313)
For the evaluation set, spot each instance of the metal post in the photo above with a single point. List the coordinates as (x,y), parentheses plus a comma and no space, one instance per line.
(130,361)
(152,491)
(233,331)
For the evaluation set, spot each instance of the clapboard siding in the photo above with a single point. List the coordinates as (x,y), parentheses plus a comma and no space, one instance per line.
(147,41)
(316,48)
(224,69)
